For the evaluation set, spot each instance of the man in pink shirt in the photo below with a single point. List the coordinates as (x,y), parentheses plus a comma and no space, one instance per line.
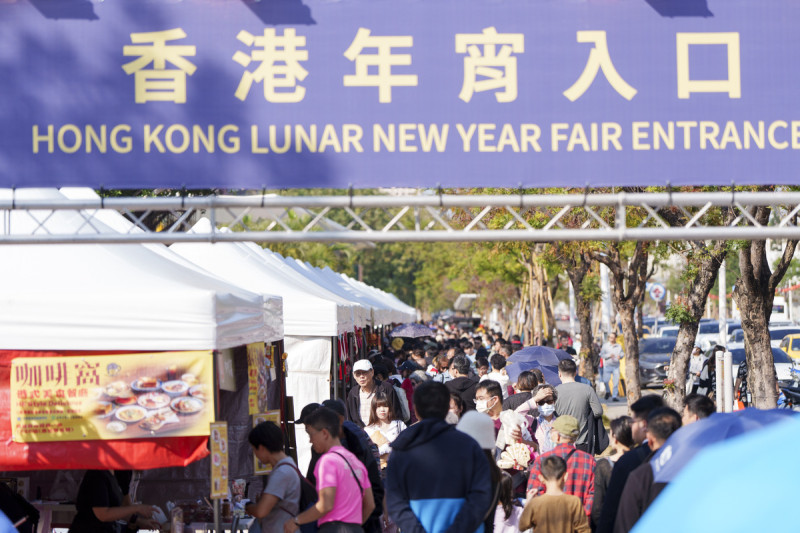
(345,494)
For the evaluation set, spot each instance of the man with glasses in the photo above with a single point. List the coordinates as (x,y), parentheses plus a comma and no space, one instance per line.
(360,398)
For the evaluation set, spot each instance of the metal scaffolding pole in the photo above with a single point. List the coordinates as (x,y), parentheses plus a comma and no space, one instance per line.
(411,218)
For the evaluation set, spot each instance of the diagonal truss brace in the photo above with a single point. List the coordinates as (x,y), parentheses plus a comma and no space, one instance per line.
(421,218)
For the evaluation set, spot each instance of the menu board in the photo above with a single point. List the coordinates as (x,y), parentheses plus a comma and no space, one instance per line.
(269,416)
(106,397)
(257,379)
(219,460)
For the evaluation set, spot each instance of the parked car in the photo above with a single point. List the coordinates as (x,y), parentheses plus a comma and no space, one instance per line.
(668,331)
(791,345)
(783,363)
(654,358)
(776,335)
(707,335)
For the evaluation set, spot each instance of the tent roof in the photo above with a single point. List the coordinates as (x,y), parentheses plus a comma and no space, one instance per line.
(309,309)
(112,297)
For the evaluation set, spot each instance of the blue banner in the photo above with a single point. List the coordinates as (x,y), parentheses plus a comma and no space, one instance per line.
(411,93)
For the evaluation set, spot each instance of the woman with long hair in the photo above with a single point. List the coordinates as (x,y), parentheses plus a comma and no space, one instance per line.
(383,427)
(621,436)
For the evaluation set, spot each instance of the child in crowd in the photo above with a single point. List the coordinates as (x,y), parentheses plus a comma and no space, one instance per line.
(509,508)
(554,511)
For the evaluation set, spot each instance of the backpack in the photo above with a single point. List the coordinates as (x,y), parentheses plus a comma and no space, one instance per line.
(308,497)
(403,399)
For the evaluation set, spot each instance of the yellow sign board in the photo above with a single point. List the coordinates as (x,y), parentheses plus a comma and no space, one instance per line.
(109,397)
(257,377)
(269,416)
(219,460)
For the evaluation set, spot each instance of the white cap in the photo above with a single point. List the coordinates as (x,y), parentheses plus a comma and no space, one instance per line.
(479,426)
(362,364)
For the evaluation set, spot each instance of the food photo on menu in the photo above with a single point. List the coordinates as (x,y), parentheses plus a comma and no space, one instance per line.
(148,402)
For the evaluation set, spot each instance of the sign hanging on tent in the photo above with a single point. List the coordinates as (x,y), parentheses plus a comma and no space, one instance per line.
(462,93)
(110,397)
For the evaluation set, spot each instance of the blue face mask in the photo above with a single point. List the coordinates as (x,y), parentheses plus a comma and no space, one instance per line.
(547,409)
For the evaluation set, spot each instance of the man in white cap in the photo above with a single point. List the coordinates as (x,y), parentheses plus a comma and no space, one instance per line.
(359,399)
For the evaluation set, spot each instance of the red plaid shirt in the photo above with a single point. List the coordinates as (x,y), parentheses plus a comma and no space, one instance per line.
(580,474)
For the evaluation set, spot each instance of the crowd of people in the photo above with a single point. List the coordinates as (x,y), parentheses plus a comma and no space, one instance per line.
(439,438)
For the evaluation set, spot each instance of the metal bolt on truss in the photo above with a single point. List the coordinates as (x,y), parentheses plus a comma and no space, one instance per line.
(422,217)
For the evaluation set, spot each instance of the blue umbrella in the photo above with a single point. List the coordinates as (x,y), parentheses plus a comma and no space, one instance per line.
(542,354)
(550,372)
(412,331)
(745,484)
(685,443)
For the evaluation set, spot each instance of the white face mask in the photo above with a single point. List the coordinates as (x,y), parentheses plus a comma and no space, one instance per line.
(482,406)
(547,409)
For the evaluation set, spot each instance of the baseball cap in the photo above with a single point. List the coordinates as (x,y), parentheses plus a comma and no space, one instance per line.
(307,410)
(566,425)
(336,406)
(363,365)
(410,366)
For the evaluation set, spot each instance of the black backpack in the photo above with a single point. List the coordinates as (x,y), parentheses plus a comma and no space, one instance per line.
(308,497)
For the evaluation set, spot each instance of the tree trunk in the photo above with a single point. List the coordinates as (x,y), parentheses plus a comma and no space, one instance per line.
(760,365)
(640,319)
(583,308)
(697,296)
(754,294)
(627,291)
(632,383)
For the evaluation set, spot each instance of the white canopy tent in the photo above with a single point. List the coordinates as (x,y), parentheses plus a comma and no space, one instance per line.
(111,297)
(400,312)
(313,316)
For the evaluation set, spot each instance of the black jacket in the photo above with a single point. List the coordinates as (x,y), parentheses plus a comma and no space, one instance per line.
(619,476)
(354,402)
(639,492)
(464,387)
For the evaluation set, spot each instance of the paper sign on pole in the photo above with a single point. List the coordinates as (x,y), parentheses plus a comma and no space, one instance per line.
(257,377)
(219,460)
(269,416)
(121,396)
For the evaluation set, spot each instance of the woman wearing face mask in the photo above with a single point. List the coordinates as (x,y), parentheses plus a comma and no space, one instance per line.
(457,408)
(544,400)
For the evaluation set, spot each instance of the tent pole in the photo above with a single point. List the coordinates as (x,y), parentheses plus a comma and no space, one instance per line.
(335,353)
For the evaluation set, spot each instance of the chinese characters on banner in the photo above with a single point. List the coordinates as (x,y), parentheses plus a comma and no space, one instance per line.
(269,416)
(258,363)
(489,64)
(124,396)
(219,460)
(366,94)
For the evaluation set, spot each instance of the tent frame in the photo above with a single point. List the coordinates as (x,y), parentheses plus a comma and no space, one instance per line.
(428,216)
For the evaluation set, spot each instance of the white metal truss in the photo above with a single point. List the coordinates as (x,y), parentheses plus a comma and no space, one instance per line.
(425,217)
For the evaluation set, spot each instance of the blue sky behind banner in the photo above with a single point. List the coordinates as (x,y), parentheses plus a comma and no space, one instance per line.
(462,93)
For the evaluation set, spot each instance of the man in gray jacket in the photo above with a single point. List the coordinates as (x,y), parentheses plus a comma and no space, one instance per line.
(578,400)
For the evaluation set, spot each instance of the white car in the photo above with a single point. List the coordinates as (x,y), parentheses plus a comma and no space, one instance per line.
(668,331)
(783,363)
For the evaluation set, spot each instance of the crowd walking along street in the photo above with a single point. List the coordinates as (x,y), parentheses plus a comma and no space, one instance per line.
(453,266)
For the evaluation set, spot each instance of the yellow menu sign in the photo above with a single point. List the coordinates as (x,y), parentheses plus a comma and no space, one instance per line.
(219,459)
(269,416)
(257,377)
(106,397)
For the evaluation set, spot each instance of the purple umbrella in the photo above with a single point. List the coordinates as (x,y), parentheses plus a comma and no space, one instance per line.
(412,331)
(549,372)
(543,355)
